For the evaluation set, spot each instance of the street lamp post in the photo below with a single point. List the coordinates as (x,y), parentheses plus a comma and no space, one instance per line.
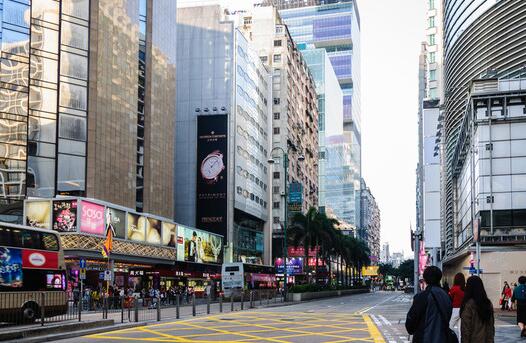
(301,158)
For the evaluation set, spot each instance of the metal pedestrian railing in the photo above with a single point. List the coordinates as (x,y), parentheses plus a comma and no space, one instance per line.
(40,308)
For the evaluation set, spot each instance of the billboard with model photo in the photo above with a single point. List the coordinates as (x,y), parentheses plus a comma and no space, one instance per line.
(211,188)
(38,214)
(117,219)
(198,246)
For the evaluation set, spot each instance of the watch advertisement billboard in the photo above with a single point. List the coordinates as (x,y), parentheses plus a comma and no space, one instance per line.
(169,234)
(135,228)
(211,187)
(38,214)
(199,246)
(117,219)
(153,231)
(65,215)
(92,218)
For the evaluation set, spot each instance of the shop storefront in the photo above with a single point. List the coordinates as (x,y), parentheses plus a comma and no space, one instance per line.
(148,251)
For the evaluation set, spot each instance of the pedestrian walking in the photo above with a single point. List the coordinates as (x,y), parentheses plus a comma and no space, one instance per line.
(519,296)
(456,293)
(505,296)
(428,318)
(476,314)
(445,287)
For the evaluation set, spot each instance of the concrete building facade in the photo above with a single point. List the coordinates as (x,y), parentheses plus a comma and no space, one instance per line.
(222,76)
(369,232)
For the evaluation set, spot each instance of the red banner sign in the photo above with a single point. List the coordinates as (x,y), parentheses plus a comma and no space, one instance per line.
(300,252)
(37,259)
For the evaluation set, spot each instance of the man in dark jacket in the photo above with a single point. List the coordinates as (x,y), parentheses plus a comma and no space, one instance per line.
(423,320)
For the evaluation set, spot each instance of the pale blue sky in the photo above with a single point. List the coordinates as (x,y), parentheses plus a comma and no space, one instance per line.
(391,35)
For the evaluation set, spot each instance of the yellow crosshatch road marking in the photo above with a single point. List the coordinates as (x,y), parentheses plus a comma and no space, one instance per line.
(260,326)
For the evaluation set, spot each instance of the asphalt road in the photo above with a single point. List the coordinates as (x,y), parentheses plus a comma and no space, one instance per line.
(377,317)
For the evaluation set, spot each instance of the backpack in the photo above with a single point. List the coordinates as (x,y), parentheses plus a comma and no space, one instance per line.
(521,292)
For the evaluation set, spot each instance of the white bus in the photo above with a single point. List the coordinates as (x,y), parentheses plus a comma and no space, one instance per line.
(237,277)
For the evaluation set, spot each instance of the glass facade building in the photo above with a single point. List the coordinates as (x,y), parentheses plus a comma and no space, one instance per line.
(59,76)
(335,27)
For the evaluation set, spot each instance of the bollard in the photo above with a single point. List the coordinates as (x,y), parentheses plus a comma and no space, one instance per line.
(42,308)
(136,310)
(81,302)
(122,309)
(177,306)
(220,303)
(242,300)
(207,304)
(268,298)
(231,302)
(260,300)
(158,309)
(251,299)
(193,304)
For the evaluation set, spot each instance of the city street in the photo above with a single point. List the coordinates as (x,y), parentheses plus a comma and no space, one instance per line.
(377,317)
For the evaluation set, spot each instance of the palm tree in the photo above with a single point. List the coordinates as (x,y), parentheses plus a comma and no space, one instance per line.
(306,230)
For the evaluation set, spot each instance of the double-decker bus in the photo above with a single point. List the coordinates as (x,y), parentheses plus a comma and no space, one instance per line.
(32,268)
(237,277)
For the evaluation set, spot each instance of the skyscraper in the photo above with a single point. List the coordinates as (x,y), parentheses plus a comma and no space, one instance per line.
(222,139)
(335,27)
(85,86)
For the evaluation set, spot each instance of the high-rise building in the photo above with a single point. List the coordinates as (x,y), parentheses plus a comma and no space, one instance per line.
(294,114)
(385,256)
(335,27)
(87,102)
(369,231)
(223,133)
(483,138)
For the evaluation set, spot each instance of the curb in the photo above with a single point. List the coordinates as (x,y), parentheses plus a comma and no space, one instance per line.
(66,335)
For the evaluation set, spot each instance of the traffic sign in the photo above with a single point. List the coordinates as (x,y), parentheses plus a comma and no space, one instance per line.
(82,263)
(107,275)
(472,270)
(82,273)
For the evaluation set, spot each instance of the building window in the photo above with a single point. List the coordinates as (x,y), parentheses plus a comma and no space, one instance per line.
(276,175)
(432,75)
(263,59)
(431,4)
(275,204)
(431,21)
(276,115)
(277,58)
(275,189)
(433,92)
(432,39)
(432,57)
(276,220)
(277,101)
(279,29)
(276,130)
(247,20)
(277,42)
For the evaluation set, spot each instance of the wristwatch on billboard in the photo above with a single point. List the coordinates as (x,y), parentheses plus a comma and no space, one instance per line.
(212,166)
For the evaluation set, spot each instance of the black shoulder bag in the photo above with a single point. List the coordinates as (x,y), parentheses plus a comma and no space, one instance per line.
(451,336)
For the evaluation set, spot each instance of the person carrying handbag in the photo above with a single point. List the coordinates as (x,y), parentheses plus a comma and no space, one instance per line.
(429,316)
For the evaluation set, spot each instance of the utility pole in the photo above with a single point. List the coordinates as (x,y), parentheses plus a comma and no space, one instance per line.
(416,237)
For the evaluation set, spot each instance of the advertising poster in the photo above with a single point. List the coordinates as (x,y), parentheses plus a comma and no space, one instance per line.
(11,267)
(92,218)
(153,231)
(169,231)
(117,219)
(65,215)
(294,266)
(135,228)
(295,196)
(211,188)
(38,214)
(39,259)
(199,246)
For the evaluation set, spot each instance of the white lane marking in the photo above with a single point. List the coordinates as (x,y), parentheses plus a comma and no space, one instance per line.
(386,322)
(376,321)
(364,310)
(380,303)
